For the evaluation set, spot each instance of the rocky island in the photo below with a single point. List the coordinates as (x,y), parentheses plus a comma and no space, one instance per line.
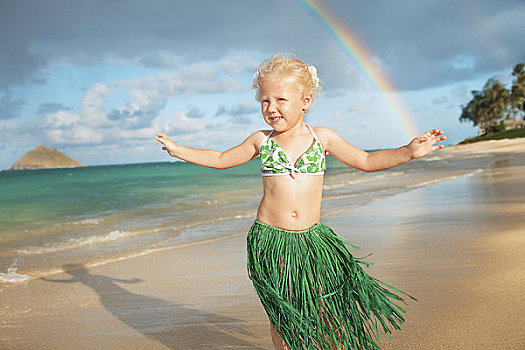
(43,157)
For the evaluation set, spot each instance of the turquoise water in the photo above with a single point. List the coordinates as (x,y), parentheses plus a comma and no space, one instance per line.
(53,217)
(47,195)
(57,217)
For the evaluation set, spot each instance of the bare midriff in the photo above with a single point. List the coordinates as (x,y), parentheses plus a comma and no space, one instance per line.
(291,203)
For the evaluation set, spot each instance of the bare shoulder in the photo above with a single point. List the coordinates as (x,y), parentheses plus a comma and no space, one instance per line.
(257,137)
(323,131)
(334,143)
(325,135)
(260,134)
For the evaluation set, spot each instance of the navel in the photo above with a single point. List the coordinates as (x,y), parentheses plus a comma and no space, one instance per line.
(294,214)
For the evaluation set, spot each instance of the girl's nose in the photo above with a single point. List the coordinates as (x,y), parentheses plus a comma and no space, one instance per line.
(272,108)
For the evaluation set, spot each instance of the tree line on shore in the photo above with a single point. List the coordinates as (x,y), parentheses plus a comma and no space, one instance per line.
(490,107)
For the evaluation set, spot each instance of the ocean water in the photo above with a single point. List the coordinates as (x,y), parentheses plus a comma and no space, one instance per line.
(55,218)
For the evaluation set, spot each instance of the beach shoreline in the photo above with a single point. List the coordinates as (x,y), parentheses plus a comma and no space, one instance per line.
(455,245)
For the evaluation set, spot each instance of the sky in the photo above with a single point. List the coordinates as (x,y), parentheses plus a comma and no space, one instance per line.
(96,79)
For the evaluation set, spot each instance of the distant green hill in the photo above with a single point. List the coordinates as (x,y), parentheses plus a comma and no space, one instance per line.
(505,134)
(43,157)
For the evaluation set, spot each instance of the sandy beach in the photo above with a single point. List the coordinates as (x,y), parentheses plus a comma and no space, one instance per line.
(456,245)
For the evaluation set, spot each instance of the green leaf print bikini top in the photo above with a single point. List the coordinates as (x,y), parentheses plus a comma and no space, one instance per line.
(274,160)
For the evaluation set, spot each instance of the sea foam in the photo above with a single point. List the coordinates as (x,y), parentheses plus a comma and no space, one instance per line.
(12,276)
(75,243)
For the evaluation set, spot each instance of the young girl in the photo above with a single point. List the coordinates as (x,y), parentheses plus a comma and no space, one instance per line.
(314,291)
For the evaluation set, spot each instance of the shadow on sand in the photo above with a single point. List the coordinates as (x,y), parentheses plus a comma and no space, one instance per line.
(174,325)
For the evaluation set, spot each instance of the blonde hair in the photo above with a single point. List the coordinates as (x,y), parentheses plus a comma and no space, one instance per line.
(284,66)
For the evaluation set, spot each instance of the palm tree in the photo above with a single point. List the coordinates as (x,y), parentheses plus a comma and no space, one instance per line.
(488,107)
(497,102)
(517,95)
(472,111)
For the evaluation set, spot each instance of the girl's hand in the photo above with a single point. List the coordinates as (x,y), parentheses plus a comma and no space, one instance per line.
(425,144)
(169,145)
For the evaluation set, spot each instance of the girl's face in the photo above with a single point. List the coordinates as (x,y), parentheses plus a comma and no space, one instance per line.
(282,103)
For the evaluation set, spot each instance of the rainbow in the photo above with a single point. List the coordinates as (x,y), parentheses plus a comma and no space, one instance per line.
(356,50)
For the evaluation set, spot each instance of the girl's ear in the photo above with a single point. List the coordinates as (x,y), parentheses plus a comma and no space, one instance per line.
(307,101)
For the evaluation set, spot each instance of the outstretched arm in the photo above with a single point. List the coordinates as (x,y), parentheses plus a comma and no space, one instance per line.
(380,160)
(211,158)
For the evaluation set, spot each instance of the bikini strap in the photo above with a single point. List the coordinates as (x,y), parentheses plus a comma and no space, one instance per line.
(315,136)
(265,139)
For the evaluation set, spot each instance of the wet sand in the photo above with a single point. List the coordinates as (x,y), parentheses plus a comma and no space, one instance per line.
(456,245)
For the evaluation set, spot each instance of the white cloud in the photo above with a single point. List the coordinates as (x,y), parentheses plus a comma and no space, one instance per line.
(362,109)
(51,107)
(61,119)
(195,112)
(77,135)
(194,79)
(92,113)
(135,122)
(89,127)
(440,99)
(241,109)
(150,94)
(189,51)
(180,124)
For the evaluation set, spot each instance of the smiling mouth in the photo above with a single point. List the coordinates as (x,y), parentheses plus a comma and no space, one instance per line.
(274,119)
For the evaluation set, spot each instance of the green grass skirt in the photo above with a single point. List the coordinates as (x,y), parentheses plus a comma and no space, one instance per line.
(315,292)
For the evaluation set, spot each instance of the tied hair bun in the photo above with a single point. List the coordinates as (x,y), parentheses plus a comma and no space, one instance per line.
(313,73)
